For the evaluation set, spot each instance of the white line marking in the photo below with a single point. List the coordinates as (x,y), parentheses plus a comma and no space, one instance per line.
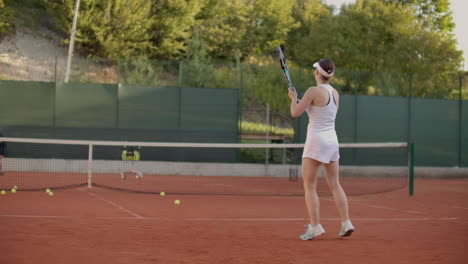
(71,217)
(459,207)
(323,219)
(380,207)
(392,209)
(230,219)
(117,206)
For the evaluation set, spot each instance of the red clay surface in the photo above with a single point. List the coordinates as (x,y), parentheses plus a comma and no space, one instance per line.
(104,226)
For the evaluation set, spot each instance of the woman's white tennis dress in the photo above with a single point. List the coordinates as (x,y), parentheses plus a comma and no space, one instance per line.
(321,142)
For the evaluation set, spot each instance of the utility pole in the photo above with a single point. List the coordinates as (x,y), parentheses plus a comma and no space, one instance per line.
(72,40)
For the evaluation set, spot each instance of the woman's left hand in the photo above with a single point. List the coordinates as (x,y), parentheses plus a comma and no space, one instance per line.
(292,94)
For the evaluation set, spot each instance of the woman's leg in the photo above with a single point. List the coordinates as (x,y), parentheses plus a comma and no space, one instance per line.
(310,168)
(332,176)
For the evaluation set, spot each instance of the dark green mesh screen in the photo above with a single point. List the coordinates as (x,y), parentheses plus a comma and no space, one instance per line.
(86,105)
(435,131)
(382,119)
(145,107)
(435,128)
(205,109)
(26,103)
(345,119)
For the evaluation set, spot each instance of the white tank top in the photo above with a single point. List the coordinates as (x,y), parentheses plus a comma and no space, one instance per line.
(323,118)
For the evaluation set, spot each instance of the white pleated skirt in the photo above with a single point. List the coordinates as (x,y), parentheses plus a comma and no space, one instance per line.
(321,145)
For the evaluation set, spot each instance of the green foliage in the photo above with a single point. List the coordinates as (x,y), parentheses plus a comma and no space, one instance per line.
(435,14)
(244,28)
(6,18)
(266,84)
(171,30)
(108,28)
(139,72)
(379,36)
(251,127)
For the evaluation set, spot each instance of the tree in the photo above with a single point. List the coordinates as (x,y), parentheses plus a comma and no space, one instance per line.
(6,17)
(115,28)
(171,30)
(107,28)
(311,40)
(435,14)
(243,28)
(374,36)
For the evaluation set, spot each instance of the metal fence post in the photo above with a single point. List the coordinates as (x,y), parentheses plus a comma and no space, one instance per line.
(180,73)
(356,79)
(410,95)
(240,98)
(460,124)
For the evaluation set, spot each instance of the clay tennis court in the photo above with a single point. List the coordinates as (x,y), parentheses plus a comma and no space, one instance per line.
(104,226)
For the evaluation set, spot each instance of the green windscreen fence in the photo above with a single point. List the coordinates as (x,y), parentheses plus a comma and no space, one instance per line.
(86,105)
(146,107)
(118,112)
(464,134)
(346,119)
(26,103)
(381,119)
(435,131)
(210,110)
(438,127)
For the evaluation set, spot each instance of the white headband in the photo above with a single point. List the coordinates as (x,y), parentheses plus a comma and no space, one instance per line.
(322,71)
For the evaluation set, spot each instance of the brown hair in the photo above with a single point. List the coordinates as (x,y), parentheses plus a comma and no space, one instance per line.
(328,66)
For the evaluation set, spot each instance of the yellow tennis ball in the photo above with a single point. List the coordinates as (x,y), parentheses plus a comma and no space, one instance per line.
(2,192)
(162,194)
(177,202)
(13,190)
(51,193)
(47,190)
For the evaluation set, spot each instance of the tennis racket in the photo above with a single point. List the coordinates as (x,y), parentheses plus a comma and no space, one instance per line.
(284,67)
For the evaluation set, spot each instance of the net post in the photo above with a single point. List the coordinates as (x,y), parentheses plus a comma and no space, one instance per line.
(90,164)
(411,169)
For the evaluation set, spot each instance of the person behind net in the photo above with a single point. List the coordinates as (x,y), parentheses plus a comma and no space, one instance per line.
(3,152)
(321,147)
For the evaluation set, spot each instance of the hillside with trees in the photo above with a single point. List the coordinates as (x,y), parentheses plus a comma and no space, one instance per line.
(399,40)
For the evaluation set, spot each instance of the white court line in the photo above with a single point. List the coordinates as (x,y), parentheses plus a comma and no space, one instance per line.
(232,219)
(382,207)
(459,207)
(393,209)
(116,205)
(71,217)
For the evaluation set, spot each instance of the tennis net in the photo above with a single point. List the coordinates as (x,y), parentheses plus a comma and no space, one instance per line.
(195,168)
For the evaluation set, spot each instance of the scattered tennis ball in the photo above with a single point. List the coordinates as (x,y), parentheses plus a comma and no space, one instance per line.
(13,190)
(177,202)
(15,187)
(51,193)
(47,190)
(2,192)
(162,194)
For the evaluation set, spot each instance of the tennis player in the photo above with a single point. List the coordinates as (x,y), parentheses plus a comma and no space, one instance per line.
(3,151)
(321,147)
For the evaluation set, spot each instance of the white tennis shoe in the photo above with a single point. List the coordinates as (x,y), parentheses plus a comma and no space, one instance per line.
(346,229)
(312,232)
